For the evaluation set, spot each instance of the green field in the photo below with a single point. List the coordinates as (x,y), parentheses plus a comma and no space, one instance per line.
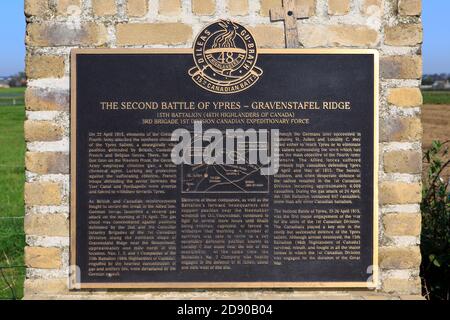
(12,91)
(11,96)
(12,177)
(436,97)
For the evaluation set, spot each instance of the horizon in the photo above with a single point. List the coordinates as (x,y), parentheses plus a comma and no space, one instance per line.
(436,52)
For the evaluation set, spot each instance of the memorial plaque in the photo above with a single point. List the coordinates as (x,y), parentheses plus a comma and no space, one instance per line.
(166,193)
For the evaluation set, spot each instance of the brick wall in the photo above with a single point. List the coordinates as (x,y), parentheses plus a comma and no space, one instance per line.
(54,27)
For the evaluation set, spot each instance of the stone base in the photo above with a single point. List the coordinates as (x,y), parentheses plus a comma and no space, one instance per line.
(220,295)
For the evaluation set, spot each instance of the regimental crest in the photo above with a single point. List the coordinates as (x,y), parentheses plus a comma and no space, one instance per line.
(225,56)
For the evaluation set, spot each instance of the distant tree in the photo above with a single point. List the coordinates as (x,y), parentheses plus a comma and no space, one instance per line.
(18,80)
(12,82)
(427,81)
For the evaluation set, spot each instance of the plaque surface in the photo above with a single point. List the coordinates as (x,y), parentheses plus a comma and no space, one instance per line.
(138,219)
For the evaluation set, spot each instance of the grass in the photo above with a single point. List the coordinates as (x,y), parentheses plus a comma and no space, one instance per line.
(19,91)
(12,178)
(436,97)
(11,96)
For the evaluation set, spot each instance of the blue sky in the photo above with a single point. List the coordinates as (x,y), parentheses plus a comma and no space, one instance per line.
(12,37)
(436,45)
(436,48)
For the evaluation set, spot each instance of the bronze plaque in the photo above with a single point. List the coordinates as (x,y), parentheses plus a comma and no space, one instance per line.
(293,204)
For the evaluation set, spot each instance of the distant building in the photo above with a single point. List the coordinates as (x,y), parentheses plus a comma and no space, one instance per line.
(441,85)
(4,83)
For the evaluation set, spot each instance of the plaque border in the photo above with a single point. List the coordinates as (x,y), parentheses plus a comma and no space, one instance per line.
(74,284)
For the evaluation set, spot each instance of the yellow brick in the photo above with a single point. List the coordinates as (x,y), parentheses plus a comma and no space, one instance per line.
(50,34)
(404,35)
(405,161)
(402,224)
(400,193)
(350,35)
(313,35)
(68,7)
(204,7)
(38,99)
(309,4)
(137,8)
(42,131)
(170,7)
(53,225)
(399,257)
(39,287)
(42,193)
(401,129)
(338,7)
(47,162)
(266,5)
(104,7)
(338,35)
(411,286)
(405,97)
(238,7)
(268,36)
(37,7)
(38,66)
(410,7)
(146,33)
(43,258)
(372,7)
(401,67)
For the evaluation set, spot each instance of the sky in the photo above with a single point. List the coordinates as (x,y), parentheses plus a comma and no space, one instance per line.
(436,47)
(12,37)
